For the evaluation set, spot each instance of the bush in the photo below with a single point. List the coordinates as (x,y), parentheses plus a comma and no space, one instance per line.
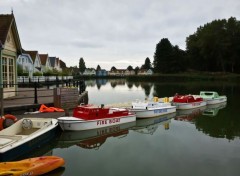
(37,74)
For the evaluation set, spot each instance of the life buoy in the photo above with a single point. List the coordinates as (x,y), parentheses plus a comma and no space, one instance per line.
(7,116)
(1,122)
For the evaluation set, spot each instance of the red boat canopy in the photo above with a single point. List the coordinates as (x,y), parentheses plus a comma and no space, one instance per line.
(186,99)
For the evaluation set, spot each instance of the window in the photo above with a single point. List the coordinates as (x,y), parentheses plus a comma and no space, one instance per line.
(8,72)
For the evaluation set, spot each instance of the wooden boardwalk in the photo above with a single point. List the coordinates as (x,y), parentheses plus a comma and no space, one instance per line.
(25,101)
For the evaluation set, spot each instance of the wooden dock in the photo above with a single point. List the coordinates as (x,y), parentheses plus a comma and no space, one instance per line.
(22,103)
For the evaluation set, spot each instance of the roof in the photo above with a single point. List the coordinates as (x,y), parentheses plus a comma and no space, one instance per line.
(52,61)
(33,54)
(62,64)
(43,58)
(6,22)
(118,70)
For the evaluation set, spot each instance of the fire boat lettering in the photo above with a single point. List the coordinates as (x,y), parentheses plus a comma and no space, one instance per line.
(105,122)
(102,122)
(114,120)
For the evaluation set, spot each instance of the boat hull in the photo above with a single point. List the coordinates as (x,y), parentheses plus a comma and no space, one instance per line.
(70,138)
(22,146)
(216,100)
(189,105)
(76,124)
(144,113)
(31,166)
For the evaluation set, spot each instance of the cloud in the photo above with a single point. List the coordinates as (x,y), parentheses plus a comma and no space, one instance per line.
(111,31)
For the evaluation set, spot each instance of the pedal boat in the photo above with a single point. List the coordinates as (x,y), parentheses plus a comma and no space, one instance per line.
(151,108)
(212,97)
(86,117)
(187,102)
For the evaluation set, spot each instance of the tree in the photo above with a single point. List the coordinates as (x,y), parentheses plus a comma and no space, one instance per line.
(136,70)
(130,68)
(163,56)
(147,65)
(82,65)
(113,68)
(215,46)
(98,68)
(178,63)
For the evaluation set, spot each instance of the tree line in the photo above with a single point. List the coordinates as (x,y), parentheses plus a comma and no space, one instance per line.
(214,47)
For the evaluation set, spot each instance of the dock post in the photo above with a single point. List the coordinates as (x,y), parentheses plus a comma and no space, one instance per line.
(35,93)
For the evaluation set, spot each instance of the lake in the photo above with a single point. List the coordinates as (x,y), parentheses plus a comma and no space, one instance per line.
(200,142)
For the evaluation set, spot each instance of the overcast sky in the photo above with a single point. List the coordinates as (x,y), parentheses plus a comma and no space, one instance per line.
(111,32)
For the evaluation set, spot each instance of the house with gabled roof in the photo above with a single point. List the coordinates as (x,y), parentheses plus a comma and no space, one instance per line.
(25,64)
(117,72)
(45,61)
(129,72)
(145,72)
(36,61)
(89,72)
(55,63)
(101,72)
(10,48)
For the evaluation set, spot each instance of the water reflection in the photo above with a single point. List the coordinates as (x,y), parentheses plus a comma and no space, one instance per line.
(90,139)
(57,172)
(189,114)
(150,125)
(205,146)
(147,88)
(125,91)
(212,110)
(130,85)
(223,125)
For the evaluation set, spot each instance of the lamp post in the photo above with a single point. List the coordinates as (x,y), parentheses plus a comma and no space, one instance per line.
(1,84)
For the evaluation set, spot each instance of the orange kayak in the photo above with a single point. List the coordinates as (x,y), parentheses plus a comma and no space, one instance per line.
(31,166)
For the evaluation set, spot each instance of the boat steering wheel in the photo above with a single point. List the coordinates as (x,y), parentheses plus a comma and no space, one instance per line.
(27,124)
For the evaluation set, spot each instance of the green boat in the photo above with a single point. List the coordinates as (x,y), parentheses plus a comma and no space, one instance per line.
(212,97)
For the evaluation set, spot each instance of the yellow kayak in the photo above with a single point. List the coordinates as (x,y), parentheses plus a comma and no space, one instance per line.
(31,166)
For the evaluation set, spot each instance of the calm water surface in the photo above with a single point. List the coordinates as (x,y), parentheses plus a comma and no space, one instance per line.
(200,142)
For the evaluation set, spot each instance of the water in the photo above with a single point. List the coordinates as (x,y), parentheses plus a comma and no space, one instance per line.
(200,142)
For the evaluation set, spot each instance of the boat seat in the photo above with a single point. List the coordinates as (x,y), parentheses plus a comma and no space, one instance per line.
(7,139)
(4,141)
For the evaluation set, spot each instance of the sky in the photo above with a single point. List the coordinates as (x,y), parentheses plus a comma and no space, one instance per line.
(111,32)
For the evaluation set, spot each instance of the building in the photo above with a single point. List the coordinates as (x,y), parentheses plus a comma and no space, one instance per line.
(10,48)
(25,65)
(101,72)
(45,61)
(117,72)
(37,65)
(55,63)
(89,72)
(129,72)
(145,72)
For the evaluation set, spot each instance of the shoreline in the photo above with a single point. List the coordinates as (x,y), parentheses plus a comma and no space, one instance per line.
(186,76)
